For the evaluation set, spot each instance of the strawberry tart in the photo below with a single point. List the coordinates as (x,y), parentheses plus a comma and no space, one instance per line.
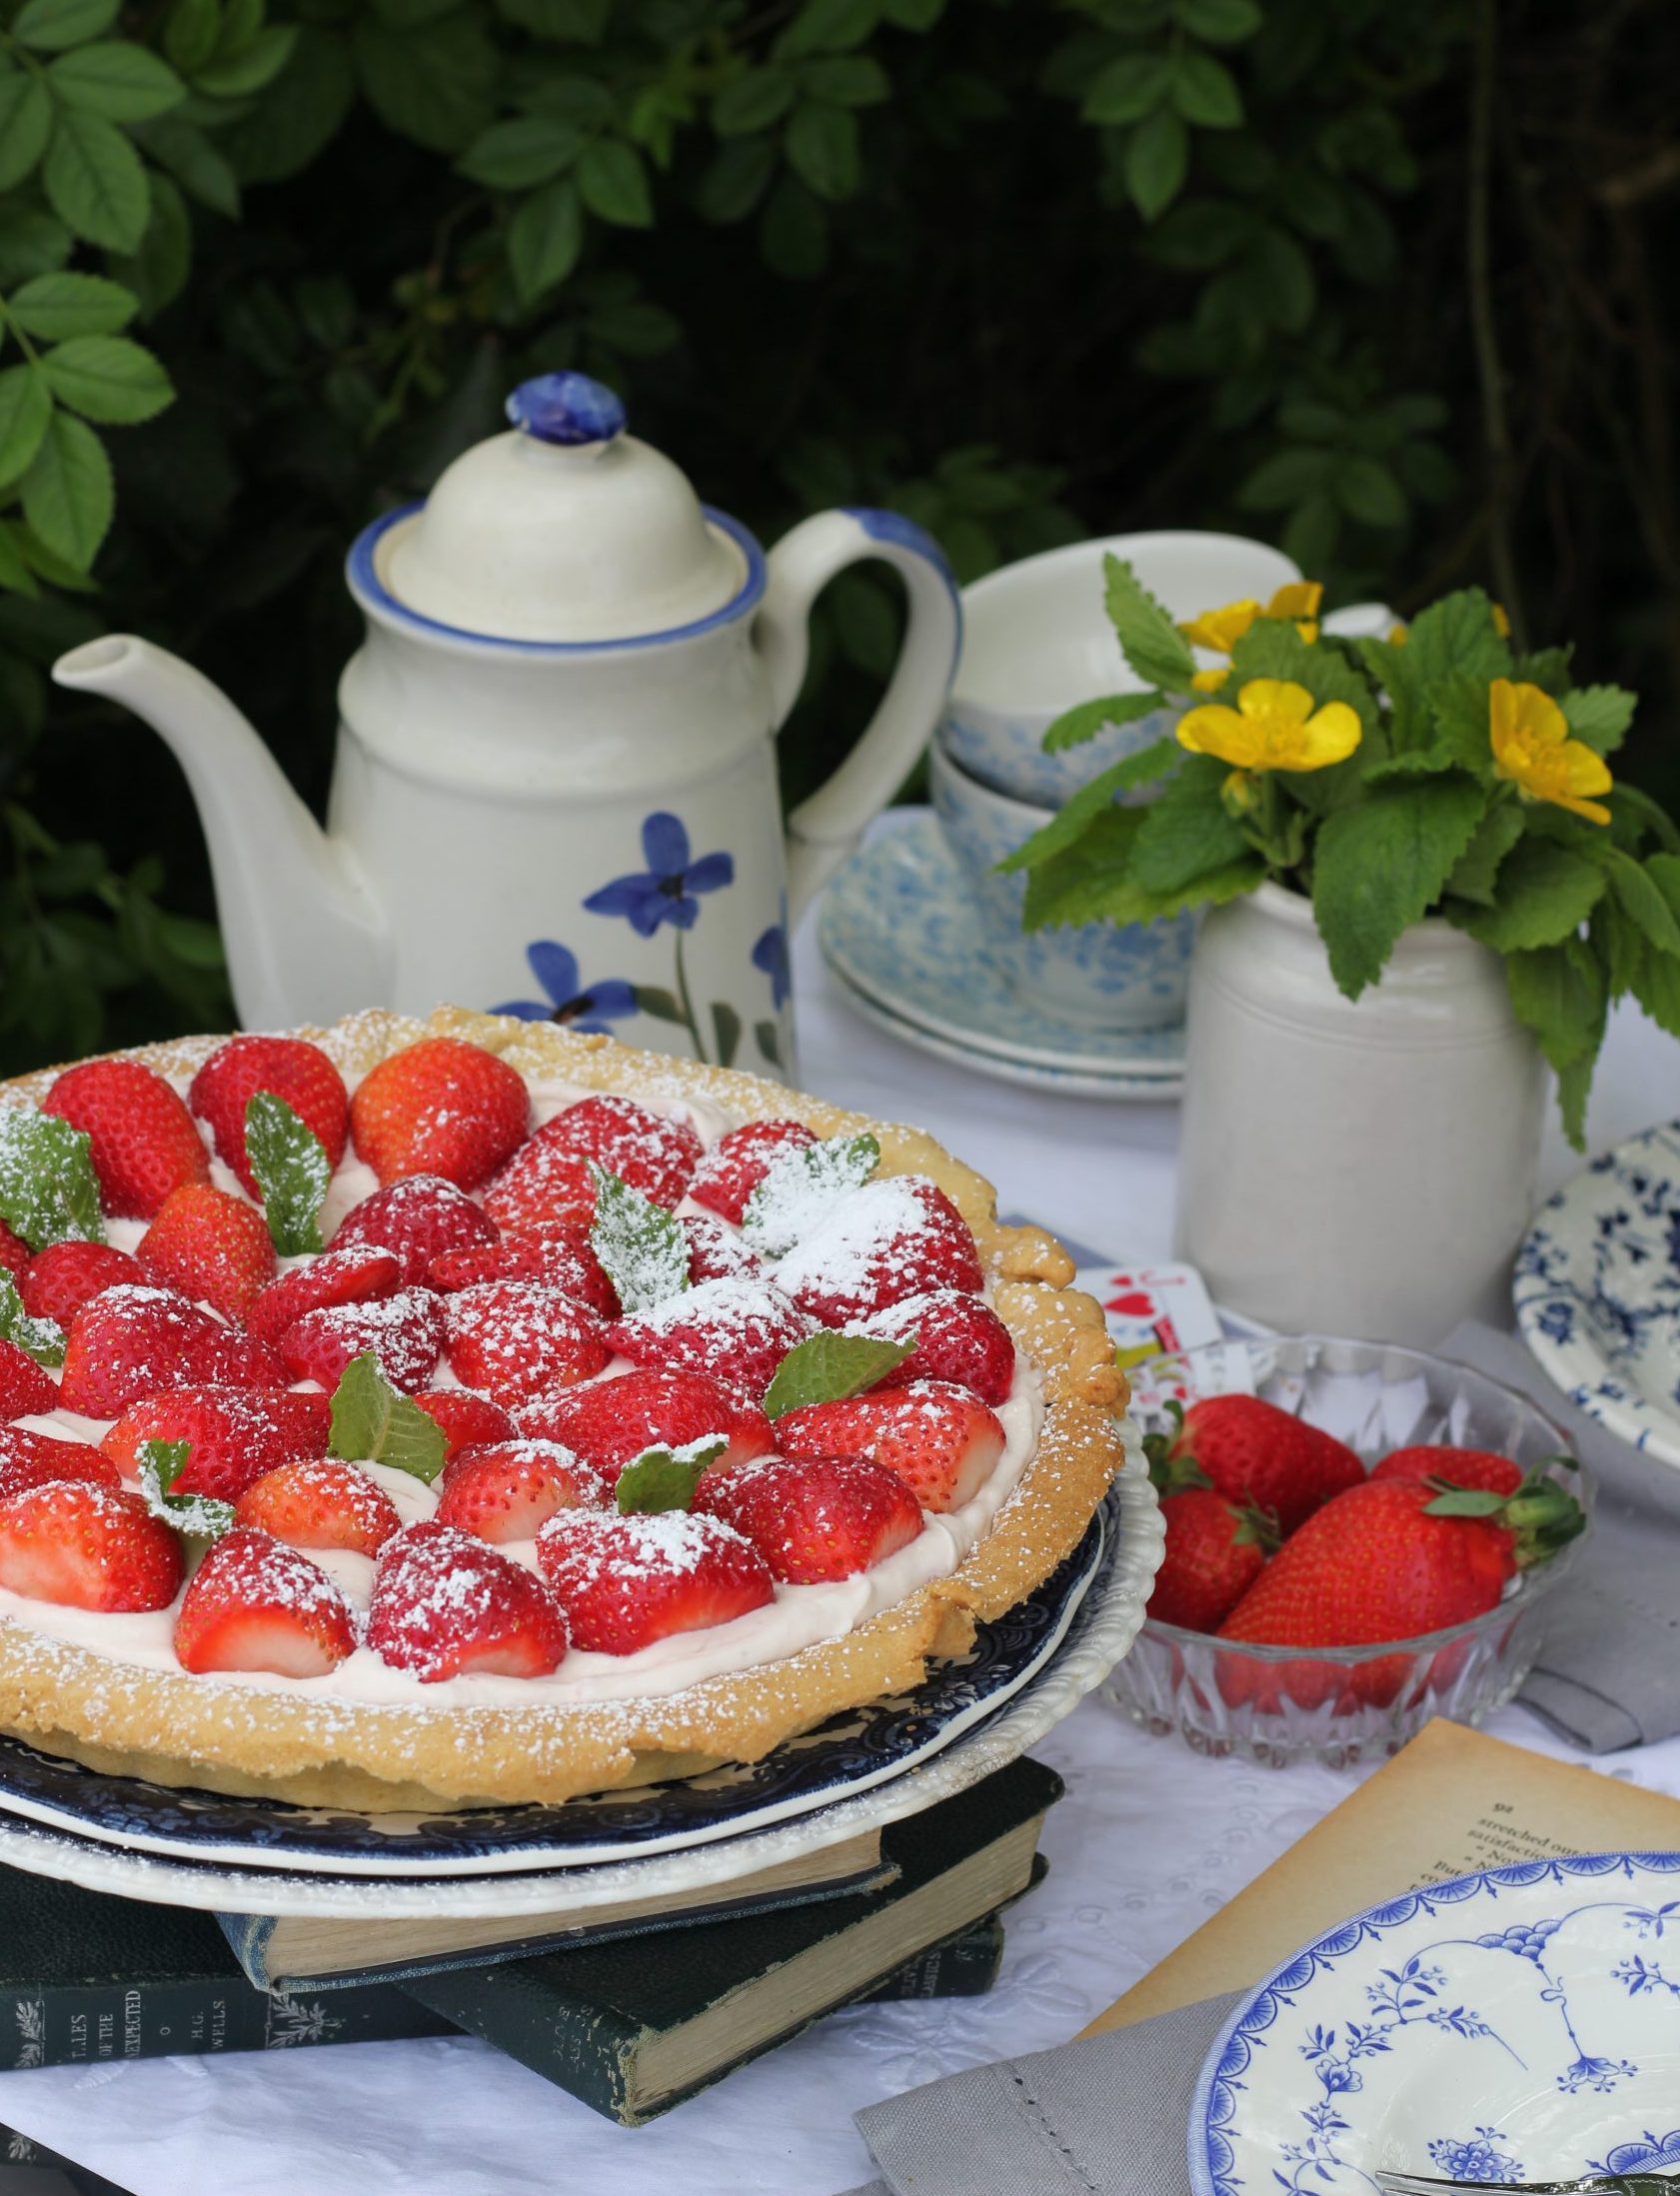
(408,1415)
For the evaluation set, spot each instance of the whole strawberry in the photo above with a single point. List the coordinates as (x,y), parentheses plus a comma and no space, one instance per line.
(213,1247)
(144,1143)
(1214,1552)
(440,1107)
(292,1069)
(1459,1467)
(1256,1456)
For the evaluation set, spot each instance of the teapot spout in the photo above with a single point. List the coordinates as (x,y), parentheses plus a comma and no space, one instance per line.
(305,941)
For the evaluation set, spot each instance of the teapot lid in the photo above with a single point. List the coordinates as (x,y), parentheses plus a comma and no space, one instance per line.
(567,529)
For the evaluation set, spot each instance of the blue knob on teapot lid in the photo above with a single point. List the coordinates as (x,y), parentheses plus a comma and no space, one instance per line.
(567,408)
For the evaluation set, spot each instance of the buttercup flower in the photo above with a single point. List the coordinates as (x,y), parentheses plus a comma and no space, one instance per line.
(1532,748)
(1222,629)
(1274,726)
(1209,681)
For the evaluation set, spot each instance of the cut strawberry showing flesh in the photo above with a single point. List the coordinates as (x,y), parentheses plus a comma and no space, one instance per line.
(319,1502)
(505,1490)
(736,1332)
(417,1219)
(556,1251)
(404,1332)
(940,1440)
(356,1274)
(446,1604)
(958,1338)
(25,1389)
(235,1433)
(549,1178)
(86,1546)
(255,1604)
(626,1582)
(133,1342)
(518,1340)
(739,1161)
(892,1239)
(815,1518)
(30,1459)
(58,1280)
(611,1422)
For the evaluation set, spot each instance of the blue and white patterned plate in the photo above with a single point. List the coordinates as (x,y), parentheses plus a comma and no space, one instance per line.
(1597,1290)
(1522,2024)
(847,1754)
(900,928)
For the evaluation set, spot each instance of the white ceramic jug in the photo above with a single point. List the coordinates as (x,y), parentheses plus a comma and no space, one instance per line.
(555,786)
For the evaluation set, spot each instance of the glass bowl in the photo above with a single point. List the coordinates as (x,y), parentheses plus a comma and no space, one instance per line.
(1348,1704)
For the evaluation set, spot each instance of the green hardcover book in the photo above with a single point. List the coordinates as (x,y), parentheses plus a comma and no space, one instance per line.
(632,2028)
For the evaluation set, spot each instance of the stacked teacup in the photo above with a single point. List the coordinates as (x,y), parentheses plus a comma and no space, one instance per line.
(1036,640)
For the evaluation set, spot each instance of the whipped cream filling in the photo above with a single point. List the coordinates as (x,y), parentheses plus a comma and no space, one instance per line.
(800,1617)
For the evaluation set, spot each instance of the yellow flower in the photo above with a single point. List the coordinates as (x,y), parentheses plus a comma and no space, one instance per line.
(1298,600)
(1274,726)
(1501,624)
(1209,681)
(1397,635)
(1532,748)
(1220,629)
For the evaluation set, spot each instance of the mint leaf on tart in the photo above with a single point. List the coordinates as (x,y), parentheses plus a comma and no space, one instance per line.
(200,1516)
(829,1367)
(801,1184)
(49,1192)
(42,1339)
(373,1424)
(641,1246)
(292,1169)
(666,1478)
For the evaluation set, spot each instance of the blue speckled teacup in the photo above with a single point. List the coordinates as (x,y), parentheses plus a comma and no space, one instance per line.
(1104,976)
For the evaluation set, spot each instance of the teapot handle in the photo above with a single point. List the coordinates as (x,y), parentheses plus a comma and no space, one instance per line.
(822,830)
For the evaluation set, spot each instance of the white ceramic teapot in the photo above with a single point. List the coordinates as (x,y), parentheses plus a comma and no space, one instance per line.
(556,786)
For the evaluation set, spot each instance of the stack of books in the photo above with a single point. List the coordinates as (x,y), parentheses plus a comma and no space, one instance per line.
(632,2009)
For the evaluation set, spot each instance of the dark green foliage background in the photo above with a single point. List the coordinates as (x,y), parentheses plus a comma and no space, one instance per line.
(1379,280)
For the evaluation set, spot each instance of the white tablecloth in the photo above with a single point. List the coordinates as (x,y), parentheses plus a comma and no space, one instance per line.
(1149,1839)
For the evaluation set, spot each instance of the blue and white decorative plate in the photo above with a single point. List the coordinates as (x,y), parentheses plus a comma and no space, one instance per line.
(1522,2024)
(898,926)
(1597,1290)
(848,1753)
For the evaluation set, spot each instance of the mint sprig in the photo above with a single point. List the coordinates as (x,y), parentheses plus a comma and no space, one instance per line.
(42,1339)
(801,1186)
(373,1423)
(641,1246)
(49,1192)
(827,1367)
(666,1478)
(202,1517)
(293,1171)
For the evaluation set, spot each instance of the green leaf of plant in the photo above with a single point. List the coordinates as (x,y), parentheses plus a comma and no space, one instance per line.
(515,155)
(1219,22)
(26,407)
(293,1171)
(752,102)
(48,1189)
(108,379)
(1474,873)
(1128,89)
(122,82)
(1640,897)
(1379,866)
(1157,159)
(666,1478)
(543,238)
(94,181)
(1634,813)
(42,1339)
(1457,634)
(641,1244)
(823,149)
(435,84)
(1543,894)
(1071,818)
(848,80)
(1086,718)
(68,496)
(199,1516)
(1188,833)
(1561,993)
(373,1424)
(1367,490)
(1285,477)
(827,1367)
(736,179)
(799,1187)
(614,180)
(1599,716)
(1150,641)
(1204,91)
(157,273)
(195,163)
(26,120)
(191,32)
(56,307)
(240,74)
(827,26)
(52,25)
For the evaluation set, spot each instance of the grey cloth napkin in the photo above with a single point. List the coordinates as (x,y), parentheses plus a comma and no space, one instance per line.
(1609,1673)
(1106,2117)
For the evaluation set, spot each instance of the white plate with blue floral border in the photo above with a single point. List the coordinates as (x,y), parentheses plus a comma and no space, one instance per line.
(1518,2025)
(1597,1290)
(900,930)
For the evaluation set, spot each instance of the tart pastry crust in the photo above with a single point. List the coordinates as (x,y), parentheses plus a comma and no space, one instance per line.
(178,1729)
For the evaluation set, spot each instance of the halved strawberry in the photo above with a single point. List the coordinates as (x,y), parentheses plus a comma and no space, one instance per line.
(59,1279)
(816,1517)
(448,1605)
(237,1434)
(557,1251)
(958,1338)
(255,1604)
(939,1439)
(130,1342)
(440,1107)
(896,1238)
(609,1422)
(717,1254)
(213,1247)
(404,1332)
(626,1582)
(144,1143)
(466,1416)
(504,1489)
(87,1546)
(14,1251)
(417,1219)
(549,1178)
(737,1331)
(293,1070)
(319,1502)
(355,1275)
(517,1340)
(25,1389)
(739,1161)
(31,1459)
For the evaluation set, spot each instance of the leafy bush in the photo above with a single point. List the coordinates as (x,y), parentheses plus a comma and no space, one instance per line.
(1017,270)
